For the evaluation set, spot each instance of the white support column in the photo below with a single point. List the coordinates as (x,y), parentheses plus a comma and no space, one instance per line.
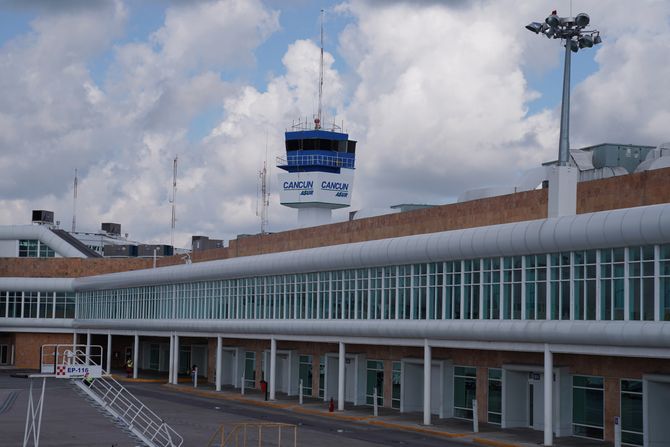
(109,353)
(427,360)
(273,368)
(219,343)
(88,345)
(340,378)
(171,361)
(548,396)
(74,338)
(175,366)
(136,356)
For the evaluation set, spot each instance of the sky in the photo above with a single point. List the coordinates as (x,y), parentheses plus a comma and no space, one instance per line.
(442,97)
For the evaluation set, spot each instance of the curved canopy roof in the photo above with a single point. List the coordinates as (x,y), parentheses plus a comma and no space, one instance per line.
(615,228)
(44,235)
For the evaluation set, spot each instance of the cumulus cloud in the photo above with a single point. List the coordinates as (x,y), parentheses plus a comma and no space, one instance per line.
(122,133)
(254,119)
(440,107)
(47,119)
(436,93)
(215,34)
(626,99)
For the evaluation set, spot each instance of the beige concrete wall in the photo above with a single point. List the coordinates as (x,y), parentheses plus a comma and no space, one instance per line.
(27,353)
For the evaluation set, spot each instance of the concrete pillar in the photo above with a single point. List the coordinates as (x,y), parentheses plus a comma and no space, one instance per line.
(562,196)
(612,397)
(316,379)
(340,378)
(219,343)
(109,353)
(74,338)
(136,355)
(88,345)
(548,396)
(427,360)
(388,383)
(273,368)
(171,360)
(482,393)
(175,366)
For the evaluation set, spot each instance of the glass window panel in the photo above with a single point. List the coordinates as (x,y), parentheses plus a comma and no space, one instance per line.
(250,369)
(305,374)
(375,379)
(587,406)
(495,396)
(465,390)
(664,251)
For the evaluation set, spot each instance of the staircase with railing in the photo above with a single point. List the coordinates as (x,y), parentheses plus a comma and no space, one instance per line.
(124,408)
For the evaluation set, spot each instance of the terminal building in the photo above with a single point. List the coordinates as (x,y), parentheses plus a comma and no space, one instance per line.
(534,318)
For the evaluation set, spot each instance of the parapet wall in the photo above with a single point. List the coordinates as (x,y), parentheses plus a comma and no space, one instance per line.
(644,188)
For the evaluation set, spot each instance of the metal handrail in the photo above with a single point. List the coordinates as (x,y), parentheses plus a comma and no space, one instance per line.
(245,428)
(316,159)
(58,354)
(136,413)
(123,404)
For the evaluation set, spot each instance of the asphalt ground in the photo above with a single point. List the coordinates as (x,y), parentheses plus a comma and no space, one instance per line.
(69,420)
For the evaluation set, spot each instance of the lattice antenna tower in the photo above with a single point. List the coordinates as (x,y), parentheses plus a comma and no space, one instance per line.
(74,203)
(317,121)
(263,200)
(173,201)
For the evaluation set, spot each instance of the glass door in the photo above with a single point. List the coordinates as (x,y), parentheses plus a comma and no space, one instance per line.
(4,354)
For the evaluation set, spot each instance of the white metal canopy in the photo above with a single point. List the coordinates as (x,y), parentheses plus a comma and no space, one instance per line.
(615,228)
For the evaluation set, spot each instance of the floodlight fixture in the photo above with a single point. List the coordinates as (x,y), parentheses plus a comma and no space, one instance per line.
(535,27)
(573,31)
(582,20)
(585,41)
(553,21)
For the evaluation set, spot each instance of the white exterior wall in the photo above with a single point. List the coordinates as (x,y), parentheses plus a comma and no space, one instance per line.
(316,189)
(14,233)
(9,248)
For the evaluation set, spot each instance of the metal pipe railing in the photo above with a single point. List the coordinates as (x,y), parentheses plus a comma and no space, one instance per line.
(135,414)
(317,159)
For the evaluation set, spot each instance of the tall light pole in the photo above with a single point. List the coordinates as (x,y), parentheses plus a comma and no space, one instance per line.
(573,31)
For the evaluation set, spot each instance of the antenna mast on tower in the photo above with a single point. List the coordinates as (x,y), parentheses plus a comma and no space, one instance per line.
(174,200)
(74,203)
(317,121)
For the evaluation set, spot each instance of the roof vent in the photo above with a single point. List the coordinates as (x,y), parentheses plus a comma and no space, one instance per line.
(111,228)
(43,217)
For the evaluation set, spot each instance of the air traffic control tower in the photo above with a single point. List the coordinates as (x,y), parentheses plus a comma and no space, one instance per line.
(319,175)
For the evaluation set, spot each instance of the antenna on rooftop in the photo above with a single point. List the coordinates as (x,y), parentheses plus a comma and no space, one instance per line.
(74,203)
(174,200)
(317,121)
(264,197)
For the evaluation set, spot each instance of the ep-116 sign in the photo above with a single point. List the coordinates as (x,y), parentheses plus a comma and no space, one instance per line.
(78,371)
